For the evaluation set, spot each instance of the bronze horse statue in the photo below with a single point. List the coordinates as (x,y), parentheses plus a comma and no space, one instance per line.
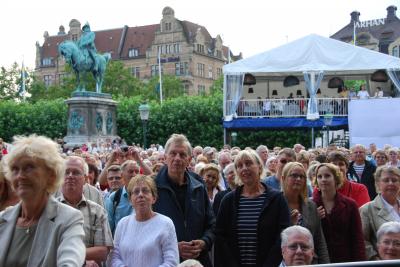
(81,63)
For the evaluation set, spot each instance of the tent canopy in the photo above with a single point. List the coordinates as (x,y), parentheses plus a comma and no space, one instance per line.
(314,53)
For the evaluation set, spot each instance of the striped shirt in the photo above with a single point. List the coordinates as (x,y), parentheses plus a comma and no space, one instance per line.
(248,214)
(359,170)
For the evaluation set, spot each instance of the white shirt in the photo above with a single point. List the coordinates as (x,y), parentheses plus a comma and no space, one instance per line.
(150,243)
(363,94)
(392,211)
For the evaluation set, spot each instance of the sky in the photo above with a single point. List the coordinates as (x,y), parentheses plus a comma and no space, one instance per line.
(250,27)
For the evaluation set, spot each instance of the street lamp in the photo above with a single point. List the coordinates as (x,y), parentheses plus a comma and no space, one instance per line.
(234,138)
(328,122)
(144,111)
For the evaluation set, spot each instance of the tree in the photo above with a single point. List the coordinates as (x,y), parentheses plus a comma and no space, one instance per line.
(11,80)
(217,86)
(171,87)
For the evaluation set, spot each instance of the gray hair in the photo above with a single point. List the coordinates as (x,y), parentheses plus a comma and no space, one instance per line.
(85,166)
(296,229)
(178,139)
(260,147)
(388,228)
(228,168)
(190,263)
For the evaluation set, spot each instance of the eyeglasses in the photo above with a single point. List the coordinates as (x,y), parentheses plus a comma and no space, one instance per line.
(358,152)
(74,173)
(297,176)
(145,191)
(388,242)
(295,246)
(112,178)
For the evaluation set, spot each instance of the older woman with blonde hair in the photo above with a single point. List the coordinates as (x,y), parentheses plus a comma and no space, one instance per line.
(210,174)
(384,208)
(255,213)
(145,238)
(303,211)
(340,218)
(388,244)
(39,231)
(381,158)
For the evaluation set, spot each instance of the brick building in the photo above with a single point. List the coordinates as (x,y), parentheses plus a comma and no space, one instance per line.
(382,34)
(187,50)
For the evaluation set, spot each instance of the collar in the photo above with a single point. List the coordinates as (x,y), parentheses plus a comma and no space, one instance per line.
(81,203)
(387,205)
(162,179)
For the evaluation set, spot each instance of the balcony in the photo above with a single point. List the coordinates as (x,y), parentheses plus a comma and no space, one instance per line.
(288,108)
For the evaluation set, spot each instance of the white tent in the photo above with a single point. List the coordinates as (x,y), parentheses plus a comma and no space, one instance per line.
(312,56)
(314,53)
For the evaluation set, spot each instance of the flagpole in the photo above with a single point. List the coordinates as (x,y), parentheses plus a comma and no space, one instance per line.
(159,73)
(22,90)
(354,32)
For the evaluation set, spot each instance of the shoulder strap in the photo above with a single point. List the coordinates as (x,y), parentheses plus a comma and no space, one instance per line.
(117,198)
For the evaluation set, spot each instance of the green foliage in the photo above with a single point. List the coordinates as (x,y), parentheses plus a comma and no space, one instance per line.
(354,84)
(10,80)
(171,87)
(43,118)
(198,117)
(282,138)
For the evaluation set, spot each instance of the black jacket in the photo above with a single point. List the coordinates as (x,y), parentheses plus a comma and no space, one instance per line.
(273,219)
(198,221)
(367,177)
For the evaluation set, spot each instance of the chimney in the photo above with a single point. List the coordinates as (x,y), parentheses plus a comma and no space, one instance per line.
(391,13)
(355,16)
(61,30)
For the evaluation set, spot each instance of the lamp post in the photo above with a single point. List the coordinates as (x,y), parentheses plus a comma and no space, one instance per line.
(328,122)
(144,111)
(234,138)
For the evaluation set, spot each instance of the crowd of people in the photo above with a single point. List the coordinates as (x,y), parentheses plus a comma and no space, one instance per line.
(196,206)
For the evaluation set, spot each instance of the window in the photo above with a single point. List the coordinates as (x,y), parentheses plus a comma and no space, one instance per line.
(48,80)
(200,69)
(210,72)
(181,68)
(47,61)
(200,48)
(74,37)
(177,48)
(61,77)
(186,89)
(135,71)
(168,26)
(201,89)
(154,70)
(219,72)
(133,52)
(395,51)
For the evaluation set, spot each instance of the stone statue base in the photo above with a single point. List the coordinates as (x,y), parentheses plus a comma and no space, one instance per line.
(91,118)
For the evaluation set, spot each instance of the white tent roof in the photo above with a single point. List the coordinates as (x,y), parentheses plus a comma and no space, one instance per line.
(314,53)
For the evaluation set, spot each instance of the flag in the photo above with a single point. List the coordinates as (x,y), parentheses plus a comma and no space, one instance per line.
(24,75)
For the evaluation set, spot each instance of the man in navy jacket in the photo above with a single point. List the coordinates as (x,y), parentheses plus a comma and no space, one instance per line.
(183,198)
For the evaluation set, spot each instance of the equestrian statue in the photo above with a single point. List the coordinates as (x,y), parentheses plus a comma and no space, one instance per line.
(83,57)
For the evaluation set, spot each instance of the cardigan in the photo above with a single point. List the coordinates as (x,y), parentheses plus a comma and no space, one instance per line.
(342,229)
(273,219)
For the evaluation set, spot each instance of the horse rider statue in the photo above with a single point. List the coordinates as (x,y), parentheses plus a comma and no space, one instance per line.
(86,43)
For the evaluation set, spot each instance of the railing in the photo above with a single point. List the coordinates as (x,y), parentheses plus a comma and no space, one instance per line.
(276,108)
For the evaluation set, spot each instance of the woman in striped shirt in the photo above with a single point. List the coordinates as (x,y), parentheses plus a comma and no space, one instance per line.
(250,219)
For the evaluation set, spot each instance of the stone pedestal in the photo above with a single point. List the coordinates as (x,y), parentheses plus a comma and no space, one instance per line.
(91,118)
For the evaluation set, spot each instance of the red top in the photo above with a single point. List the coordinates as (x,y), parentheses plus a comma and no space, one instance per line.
(356,191)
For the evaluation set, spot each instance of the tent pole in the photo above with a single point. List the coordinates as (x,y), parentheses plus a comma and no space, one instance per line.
(224,136)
